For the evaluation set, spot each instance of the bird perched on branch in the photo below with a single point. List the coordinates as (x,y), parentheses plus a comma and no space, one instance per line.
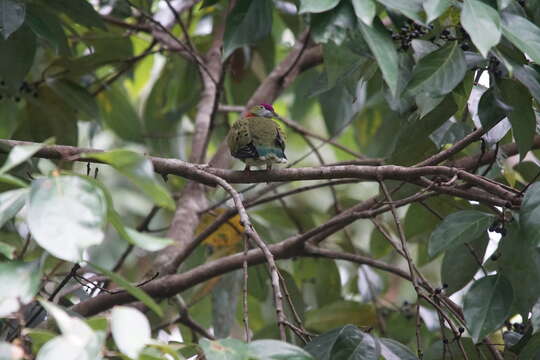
(256,139)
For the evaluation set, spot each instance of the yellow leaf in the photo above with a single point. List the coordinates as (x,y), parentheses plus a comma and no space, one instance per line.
(227,235)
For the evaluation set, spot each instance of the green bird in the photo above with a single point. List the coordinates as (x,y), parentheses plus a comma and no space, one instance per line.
(256,139)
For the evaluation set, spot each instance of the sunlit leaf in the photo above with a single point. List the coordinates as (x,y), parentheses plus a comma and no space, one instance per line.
(19,283)
(309,6)
(130,330)
(19,154)
(12,13)
(483,24)
(66,215)
(11,202)
(138,169)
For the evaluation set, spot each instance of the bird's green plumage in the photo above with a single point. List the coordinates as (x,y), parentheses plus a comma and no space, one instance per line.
(257,140)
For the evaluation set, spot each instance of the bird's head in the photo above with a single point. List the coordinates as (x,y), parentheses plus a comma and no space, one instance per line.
(262,110)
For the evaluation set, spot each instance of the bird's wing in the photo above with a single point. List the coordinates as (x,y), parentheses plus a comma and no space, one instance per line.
(281,137)
(240,141)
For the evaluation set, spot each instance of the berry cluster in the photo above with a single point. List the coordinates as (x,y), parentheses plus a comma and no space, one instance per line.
(409,32)
(498,227)
(25,89)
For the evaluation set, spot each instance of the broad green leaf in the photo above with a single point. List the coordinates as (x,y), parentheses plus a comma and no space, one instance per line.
(460,264)
(138,169)
(340,313)
(529,77)
(248,22)
(225,349)
(11,202)
(531,350)
(66,215)
(435,8)
(491,109)
(340,63)
(309,6)
(439,72)
(529,214)
(521,114)
(365,10)
(274,349)
(382,47)
(80,11)
(17,56)
(8,114)
(482,23)
(391,349)
(119,113)
(76,96)
(408,149)
(524,34)
(520,264)
(486,305)
(19,283)
(133,290)
(148,242)
(336,24)
(77,339)
(19,154)
(130,330)
(410,8)
(458,228)
(321,276)
(347,342)
(12,13)
(337,109)
(48,26)
(8,250)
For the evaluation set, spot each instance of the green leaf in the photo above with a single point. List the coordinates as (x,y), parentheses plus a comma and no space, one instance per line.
(77,337)
(520,264)
(381,45)
(410,8)
(337,109)
(439,72)
(148,242)
(11,202)
(247,23)
(460,264)
(529,77)
(133,290)
(225,349)
(80,11)
(19,154)
(12,181)
(529,213)
(309,6)
(482,23)
(435,8)
(17,56)
(365,10)
(347,342)
(521,115)
(340,313)
(119,113)
(391,349)
(140,171)
(19,283)
(336,24)
(458,228)
(8,250)
(48,26)
(66,215)
(12,13)
(491,109)
(524,34)
(273,349)
(130,330)
(340,63)
(486,305)
(76,96)
(320,276)
(8,114)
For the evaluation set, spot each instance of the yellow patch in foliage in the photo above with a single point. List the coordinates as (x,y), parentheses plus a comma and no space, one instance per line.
(228,234)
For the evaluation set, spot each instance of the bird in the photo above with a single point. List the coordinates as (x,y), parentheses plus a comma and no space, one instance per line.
(256,139)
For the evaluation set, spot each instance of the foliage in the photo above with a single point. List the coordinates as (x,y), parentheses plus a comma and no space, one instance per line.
(437,254)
